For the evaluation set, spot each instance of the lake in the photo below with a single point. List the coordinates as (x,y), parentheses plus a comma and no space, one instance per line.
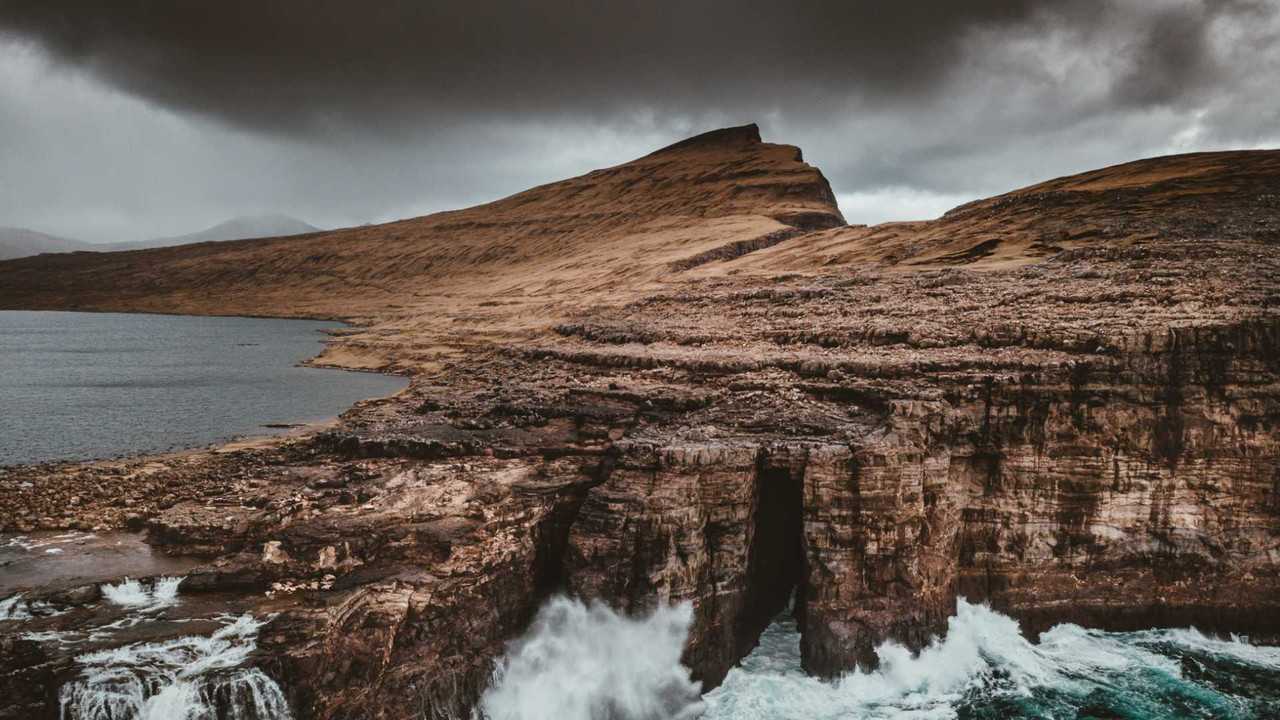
(76,386)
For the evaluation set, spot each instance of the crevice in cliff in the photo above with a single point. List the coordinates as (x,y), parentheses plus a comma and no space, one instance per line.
(551,541)
(552,536)
(776,560)
(1168,442)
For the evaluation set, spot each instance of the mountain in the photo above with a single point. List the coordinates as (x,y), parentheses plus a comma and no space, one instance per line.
(240,228)
(710,197)
(1217,195)
(683,379)
(20,242)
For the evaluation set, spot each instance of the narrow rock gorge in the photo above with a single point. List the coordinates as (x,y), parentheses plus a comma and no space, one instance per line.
(686,379)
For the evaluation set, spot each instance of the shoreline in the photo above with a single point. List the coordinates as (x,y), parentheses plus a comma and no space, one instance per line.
(254,440)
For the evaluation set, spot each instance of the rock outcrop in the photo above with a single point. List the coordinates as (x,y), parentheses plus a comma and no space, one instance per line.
(1063,401)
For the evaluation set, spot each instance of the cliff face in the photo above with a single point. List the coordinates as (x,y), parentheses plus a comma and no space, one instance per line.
(1074,428)
(1090,438)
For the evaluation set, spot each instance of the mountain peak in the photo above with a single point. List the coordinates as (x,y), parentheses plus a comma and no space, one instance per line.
(738,137)
(603,233)
(16,242)
(250,226)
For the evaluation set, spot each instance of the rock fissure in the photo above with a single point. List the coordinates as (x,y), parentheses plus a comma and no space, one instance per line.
(775,573)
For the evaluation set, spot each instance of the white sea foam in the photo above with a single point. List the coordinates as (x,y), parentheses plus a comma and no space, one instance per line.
(982,658)
(132,594)
(770,683)
(17,608)
(1235,646)
(52,636)
(14,608)
(28,543)
(190,678)
(581,662)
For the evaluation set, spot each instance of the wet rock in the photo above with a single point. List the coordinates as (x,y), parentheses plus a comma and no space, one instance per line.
(82,595)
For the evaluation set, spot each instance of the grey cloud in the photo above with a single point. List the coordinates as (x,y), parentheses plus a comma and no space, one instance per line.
(156,118)
(311,65)
(1170,57)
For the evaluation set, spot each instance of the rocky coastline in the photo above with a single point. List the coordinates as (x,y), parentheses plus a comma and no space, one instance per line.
(1064,402)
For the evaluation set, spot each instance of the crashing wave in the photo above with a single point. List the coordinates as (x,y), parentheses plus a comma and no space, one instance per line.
(581,662)
(17,608)
(14,608)
(134,595)
(985,667)
(189,678)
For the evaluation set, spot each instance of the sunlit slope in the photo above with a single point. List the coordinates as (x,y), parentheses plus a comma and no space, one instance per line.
(1217,195)
(604,231)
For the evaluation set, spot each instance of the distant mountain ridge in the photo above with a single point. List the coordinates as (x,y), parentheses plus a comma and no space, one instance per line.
(16,242)
(20,242)
(240,228)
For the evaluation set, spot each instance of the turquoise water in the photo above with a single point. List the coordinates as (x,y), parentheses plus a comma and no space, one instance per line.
(985,669)
(93,385)
(585,662)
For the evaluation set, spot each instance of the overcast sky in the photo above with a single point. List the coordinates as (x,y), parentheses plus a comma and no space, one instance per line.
(165,117)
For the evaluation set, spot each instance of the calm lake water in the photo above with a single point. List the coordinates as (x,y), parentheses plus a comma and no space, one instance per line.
(95,385)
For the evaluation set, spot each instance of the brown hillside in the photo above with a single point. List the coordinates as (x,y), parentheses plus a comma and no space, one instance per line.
(719,203)
(1223,195)
(621,227)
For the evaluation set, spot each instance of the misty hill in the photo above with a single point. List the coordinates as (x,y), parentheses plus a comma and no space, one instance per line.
(21,242)
(713,196)
(240,228)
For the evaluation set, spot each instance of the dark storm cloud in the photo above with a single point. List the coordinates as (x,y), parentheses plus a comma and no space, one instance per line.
(1170,57)
(308,64)
(120,120)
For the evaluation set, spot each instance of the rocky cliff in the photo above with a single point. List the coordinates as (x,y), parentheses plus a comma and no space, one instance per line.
(1063,401)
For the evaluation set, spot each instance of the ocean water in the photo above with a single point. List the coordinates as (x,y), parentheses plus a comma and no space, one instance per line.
(583,662)
(188,678)
(93,385)
(191,677)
